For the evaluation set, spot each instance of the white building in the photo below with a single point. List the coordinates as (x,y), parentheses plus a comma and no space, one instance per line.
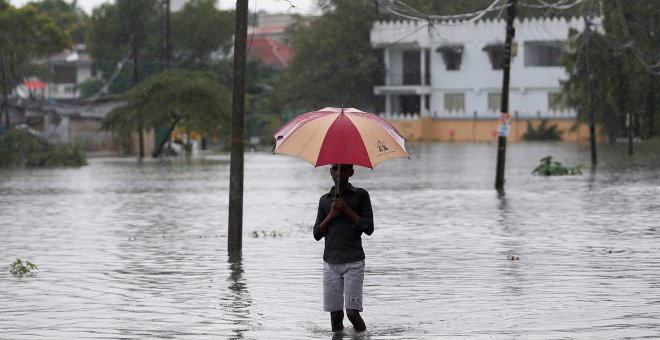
(456,70)
(71,68)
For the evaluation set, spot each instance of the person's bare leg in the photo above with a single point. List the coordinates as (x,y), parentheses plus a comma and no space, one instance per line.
(337,318)
(355,318)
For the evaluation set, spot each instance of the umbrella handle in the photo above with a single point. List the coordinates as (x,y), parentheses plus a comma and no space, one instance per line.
(337,186)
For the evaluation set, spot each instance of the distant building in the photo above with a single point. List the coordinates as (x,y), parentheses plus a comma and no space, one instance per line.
(444,82)
(270,52)
(456,70)
(70,68)
(267,40)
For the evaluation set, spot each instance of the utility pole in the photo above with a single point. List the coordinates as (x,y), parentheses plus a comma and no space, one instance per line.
(165,48)
(235,238)
(592,120)
(505,117)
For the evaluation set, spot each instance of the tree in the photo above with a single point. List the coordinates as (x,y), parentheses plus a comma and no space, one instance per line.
(334,63)
(25,36)
(200,29)
(121,26)
(67,16)
(622,83)
(191,100)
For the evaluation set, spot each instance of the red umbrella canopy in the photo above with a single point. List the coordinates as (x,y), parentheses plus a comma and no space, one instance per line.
(32,84)
(340,136)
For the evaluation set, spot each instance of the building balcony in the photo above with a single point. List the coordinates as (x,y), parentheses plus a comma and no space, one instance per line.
(402,89)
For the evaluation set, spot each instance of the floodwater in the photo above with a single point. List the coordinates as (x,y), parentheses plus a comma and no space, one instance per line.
(132,251)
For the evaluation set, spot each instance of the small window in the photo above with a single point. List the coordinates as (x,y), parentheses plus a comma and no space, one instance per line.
(452,56)
(494,101)
(65,74)
(557,101)
(455,102)
(543,53)
(496,55)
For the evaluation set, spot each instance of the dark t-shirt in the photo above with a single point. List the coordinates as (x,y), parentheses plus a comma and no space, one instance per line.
(343,241)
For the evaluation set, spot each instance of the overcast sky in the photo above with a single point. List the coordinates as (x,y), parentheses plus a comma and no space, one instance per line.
(272,6)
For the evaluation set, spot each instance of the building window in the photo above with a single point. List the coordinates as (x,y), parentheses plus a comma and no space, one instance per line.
(557,101)
(452,56)
(409,104)
(455,102)
(496,55)
(412,71)
(65,74)
(69,89)
(494,101)
(543,53)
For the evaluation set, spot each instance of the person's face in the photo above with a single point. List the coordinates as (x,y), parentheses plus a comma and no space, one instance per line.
(346,172)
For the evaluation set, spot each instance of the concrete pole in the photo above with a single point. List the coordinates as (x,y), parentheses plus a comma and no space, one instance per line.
(504,109)
(235,235)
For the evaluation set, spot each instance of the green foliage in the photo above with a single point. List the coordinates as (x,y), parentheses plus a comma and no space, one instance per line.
(18,268)
(263,125)
(25,35)
(19,148)
(334,63)
(68,17)
(199,29)
(90,87)
(124,80)
(193,98)
(263,233)
(126,24)
(543,132)
(620,83)
(548,167)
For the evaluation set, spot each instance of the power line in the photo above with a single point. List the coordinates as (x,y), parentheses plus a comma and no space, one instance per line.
(632,45)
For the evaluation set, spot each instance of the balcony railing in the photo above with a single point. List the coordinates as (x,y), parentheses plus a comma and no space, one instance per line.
(525,115)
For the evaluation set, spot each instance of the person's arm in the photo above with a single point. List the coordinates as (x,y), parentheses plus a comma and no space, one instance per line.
(323,221)
(365,223)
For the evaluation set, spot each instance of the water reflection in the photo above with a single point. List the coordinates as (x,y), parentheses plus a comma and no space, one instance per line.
(239,299)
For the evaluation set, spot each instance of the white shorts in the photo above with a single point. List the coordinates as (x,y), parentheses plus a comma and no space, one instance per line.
(342,286)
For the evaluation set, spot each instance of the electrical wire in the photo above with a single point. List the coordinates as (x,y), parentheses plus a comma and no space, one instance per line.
(632,46)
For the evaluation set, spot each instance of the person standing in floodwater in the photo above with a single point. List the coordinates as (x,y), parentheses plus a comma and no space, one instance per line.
(343,215)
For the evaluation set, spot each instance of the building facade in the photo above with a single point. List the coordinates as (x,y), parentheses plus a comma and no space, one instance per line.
(454,71)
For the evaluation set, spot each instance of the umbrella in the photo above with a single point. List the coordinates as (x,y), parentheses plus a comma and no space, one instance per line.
(34,85)
(340,136)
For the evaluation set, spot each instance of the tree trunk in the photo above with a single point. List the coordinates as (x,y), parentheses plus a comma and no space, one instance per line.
(167,137)
(4,108)
(136,79)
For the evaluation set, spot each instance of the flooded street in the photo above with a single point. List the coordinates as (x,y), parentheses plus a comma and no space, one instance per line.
(131,251)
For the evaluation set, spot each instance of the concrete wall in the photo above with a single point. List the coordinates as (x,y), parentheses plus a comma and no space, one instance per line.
(467,130)
(88,134)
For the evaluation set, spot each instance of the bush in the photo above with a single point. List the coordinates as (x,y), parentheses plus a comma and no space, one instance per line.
(543,132)
(19,148)
(550,168)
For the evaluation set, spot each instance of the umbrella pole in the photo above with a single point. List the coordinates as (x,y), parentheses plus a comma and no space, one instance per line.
(337,188)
